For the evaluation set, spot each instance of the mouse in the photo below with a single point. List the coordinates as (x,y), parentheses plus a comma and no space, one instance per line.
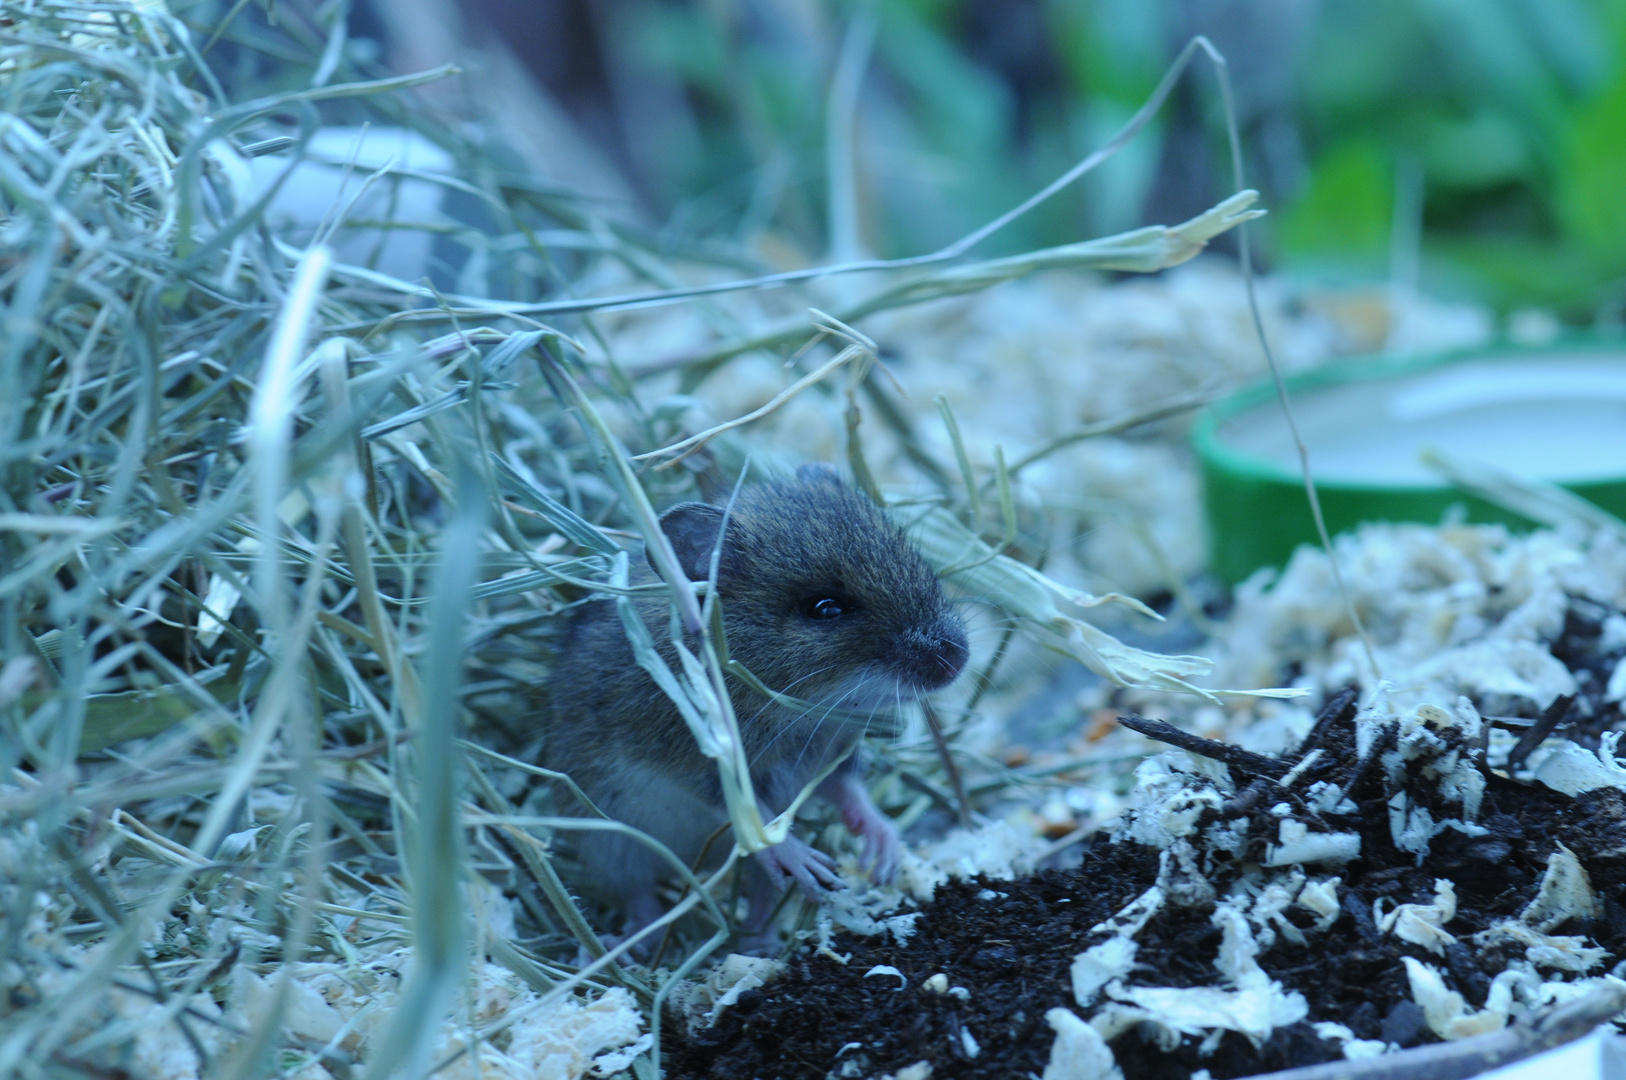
(823,599)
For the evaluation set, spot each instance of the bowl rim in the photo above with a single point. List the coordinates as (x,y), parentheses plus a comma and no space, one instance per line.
(1369,367)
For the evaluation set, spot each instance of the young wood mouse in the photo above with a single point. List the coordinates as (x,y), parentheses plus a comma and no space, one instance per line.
(822,599)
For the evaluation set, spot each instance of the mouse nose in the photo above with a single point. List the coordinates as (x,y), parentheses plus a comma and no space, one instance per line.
(935,656)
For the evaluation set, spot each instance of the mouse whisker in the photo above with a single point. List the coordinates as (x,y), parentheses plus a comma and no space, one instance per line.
(870,675)
(873,709)
(767,705)
(812,732)
(790,721)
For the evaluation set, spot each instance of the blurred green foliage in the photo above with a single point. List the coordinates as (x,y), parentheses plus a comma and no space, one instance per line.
(1514,111)
(1346,208)
(1511,114)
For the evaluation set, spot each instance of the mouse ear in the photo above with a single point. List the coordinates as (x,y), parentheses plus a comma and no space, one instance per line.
(818,472)
(692,527)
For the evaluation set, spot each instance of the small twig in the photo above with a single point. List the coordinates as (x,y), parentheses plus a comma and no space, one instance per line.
(1247,798)
(1339,710)
(1543,727)
(1237,758)
(932,791)
(962,807)
(1056,847)
(984,679)
(1470,1057)
(1359,769)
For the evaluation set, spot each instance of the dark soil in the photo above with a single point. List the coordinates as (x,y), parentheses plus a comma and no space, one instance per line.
(1581,648)
(1011,943)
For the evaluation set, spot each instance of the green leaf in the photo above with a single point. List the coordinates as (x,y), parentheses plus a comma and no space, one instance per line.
(1592,184)
(1347,207)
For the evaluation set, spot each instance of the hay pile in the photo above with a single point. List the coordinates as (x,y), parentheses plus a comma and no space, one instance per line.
(218,821)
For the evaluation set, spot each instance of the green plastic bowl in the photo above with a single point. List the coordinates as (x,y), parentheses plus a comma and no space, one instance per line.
(1555,412)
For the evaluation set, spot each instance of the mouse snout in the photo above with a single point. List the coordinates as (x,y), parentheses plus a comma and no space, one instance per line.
(934,656)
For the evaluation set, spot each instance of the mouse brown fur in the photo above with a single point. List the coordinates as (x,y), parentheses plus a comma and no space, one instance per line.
(823,599)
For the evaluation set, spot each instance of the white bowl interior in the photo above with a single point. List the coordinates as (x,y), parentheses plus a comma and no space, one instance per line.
(1560,418)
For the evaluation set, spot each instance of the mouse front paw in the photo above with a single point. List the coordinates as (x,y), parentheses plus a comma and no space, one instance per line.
(883,846)
(810,868)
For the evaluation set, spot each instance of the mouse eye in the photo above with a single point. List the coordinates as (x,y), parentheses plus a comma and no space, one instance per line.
(824,606)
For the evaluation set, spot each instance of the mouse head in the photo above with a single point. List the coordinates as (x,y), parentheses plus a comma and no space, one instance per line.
(823,597)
